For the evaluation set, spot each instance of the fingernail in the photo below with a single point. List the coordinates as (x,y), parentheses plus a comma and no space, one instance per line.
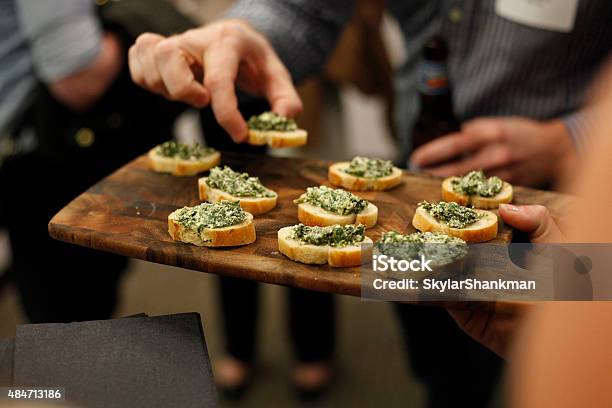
(242,138)
(510,207)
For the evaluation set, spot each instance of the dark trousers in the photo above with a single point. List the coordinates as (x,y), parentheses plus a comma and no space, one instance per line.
(311,321)
(60,282)
(456,370)
(311,314)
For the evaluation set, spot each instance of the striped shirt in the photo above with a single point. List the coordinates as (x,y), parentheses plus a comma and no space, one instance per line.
(497,67)
(42,41)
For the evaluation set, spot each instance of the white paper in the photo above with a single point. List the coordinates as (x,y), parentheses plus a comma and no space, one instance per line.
(555,15)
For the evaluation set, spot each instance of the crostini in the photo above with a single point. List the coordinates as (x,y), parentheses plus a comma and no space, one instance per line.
(446,254)
(365,174)
(438,247)
(336,245)
(323,206)
(477,190)
(275,131)
(219,224)
(182,160)
(223,183)
(469,224)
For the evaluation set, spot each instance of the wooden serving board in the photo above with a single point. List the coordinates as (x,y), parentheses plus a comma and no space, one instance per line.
(126,213)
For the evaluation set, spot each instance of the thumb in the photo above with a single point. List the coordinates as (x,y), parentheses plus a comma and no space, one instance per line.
(280,90)
(533,219)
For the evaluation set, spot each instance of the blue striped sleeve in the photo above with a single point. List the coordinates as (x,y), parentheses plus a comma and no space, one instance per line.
(579,125)
(65,36)
(303,32)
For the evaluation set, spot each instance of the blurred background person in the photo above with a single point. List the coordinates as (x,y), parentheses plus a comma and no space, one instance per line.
(561,345)
(565,346)
(69,116)
(75,108)
(514,90)
(311,315)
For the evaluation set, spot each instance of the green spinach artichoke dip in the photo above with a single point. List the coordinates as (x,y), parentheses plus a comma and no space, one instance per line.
(216,215)
(438,247)
(333,235)
(476,183)
(173,149)
(369,168)
(451,214)
(337,201)
(270,121)
(237,184)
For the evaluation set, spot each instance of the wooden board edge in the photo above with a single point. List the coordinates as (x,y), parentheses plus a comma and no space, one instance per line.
(85,238)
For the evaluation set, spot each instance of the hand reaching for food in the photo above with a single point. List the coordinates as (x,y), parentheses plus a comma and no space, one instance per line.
(227,54)
(517,150)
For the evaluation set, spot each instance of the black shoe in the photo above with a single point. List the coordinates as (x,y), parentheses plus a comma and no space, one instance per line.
(312,393)
(235,392)
(309,395)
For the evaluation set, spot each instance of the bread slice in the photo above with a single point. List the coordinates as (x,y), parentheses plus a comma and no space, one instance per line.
(253,205)
(485,203)
(181,167)
(312,215)
(339,178)
(275,138)
(323,254)
(485,229)
(239,234)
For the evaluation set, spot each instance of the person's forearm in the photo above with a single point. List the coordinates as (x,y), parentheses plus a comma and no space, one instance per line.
(69,50)
(79,91)
(65,36)
(303,32)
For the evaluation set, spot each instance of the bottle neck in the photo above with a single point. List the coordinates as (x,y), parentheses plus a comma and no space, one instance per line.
(436,117)
(434,89)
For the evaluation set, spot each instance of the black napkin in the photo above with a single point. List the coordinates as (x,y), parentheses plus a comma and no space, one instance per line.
(137,362)
(6,362)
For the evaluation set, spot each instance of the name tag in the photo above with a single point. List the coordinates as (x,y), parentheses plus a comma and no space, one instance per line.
(555,15)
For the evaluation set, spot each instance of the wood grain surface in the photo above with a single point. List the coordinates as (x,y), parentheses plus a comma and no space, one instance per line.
(126,213)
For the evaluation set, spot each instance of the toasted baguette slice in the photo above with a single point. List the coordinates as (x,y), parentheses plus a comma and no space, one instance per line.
(339,178)
(274,138)
(179,167)
(253,205)
(485,229)
(312,215)
(240,234)
(485,203)
(322,254)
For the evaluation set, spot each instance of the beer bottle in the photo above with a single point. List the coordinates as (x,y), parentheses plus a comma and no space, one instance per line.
(436,117)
